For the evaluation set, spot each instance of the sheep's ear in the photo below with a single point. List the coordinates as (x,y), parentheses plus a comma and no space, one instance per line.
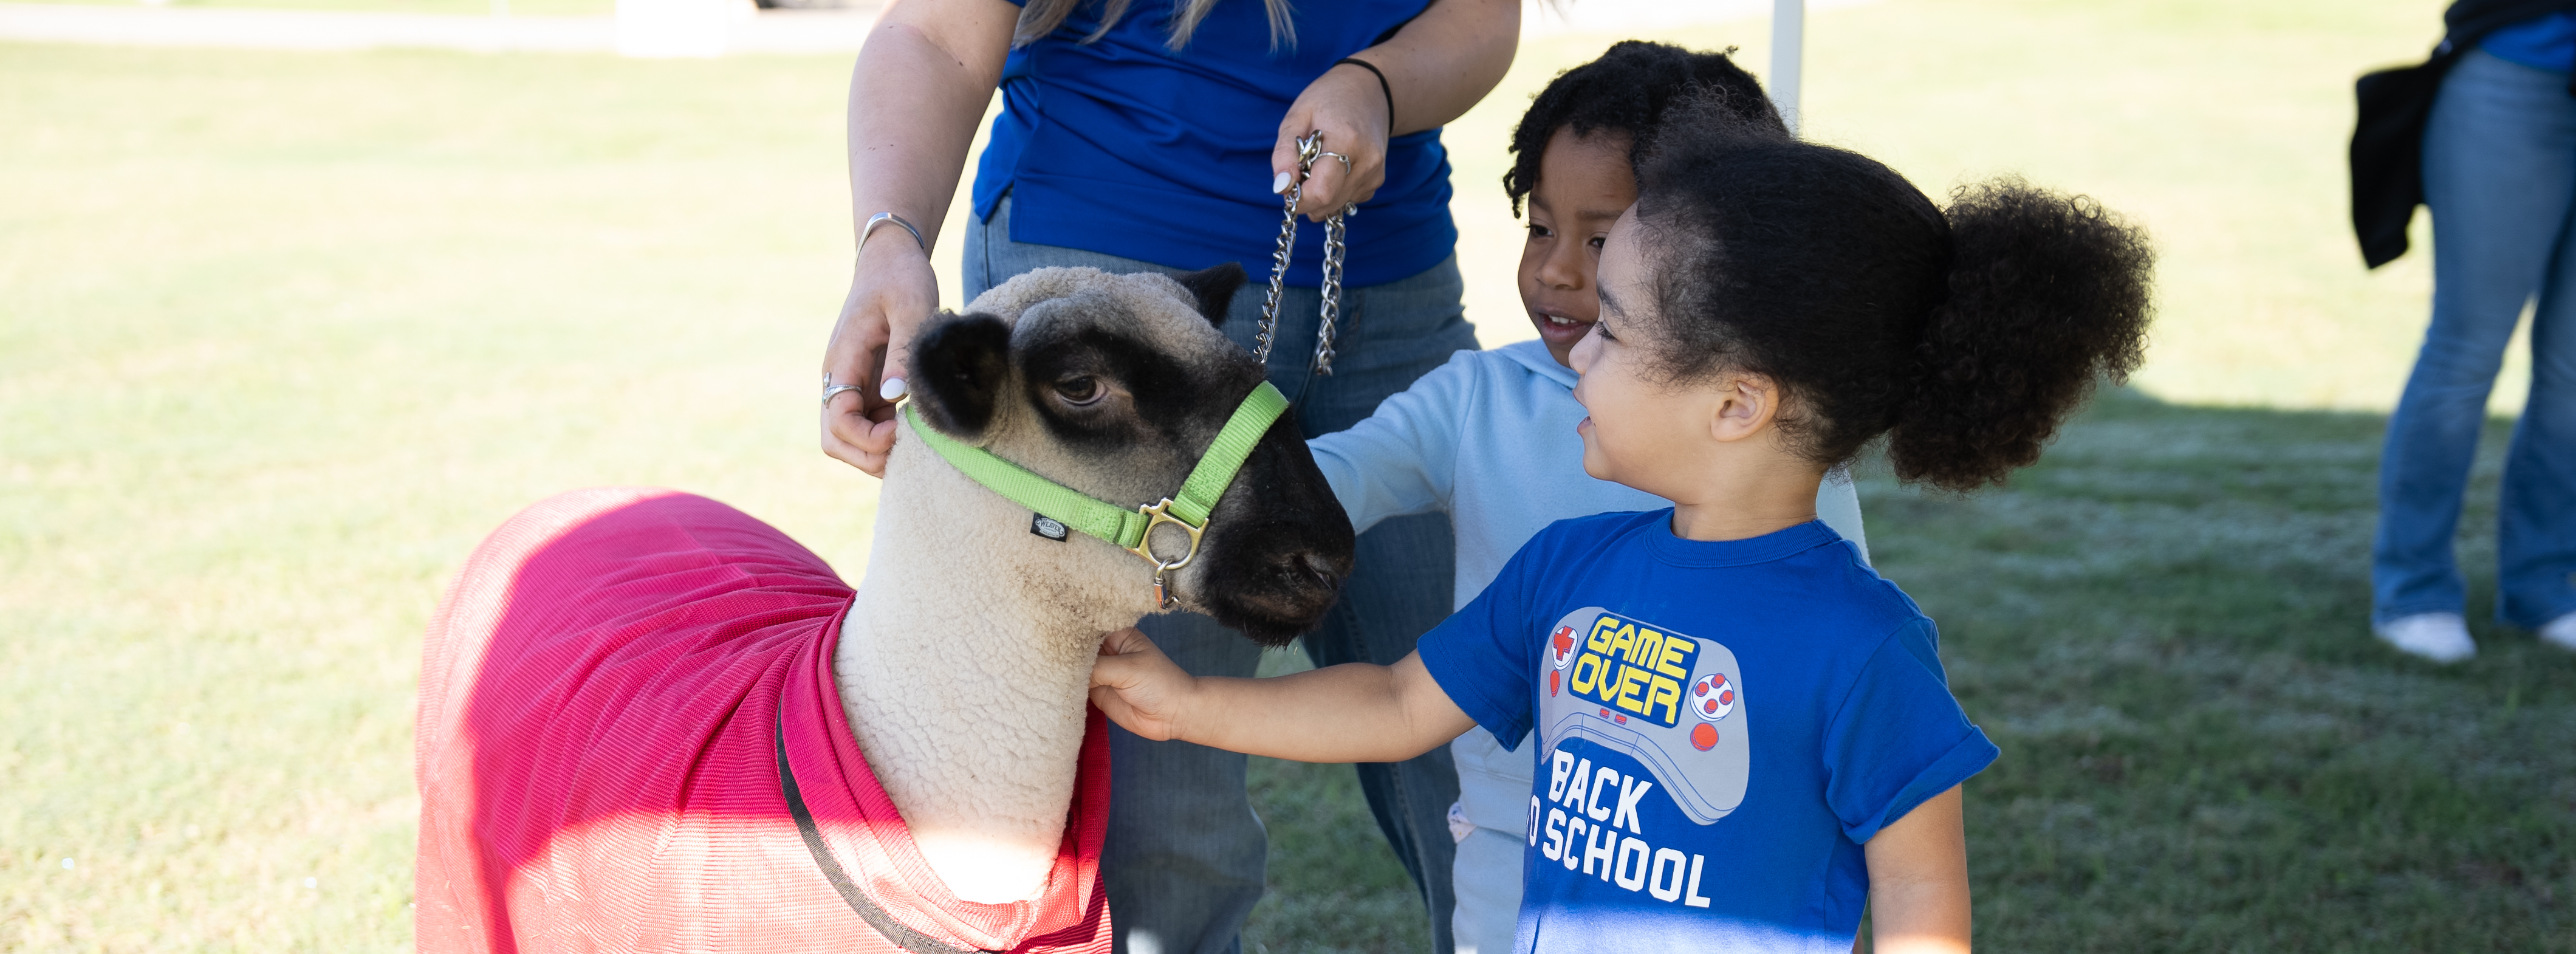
(1214,289)
(958,367)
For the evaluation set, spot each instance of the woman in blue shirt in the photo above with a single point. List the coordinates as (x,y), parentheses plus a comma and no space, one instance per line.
(1158,139)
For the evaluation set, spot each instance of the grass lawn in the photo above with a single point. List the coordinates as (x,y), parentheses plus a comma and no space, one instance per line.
(281,336)
(2163,626)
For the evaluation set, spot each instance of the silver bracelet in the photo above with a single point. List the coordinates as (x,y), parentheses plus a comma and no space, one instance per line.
(882,218)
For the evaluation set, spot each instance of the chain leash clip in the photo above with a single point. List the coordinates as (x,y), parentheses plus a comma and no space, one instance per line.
(1310,147)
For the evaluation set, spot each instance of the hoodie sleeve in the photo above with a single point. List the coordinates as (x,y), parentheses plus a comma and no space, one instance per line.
(1401,459)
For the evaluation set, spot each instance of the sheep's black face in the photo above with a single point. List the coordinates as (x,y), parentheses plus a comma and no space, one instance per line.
(1278,546)
(1113,388)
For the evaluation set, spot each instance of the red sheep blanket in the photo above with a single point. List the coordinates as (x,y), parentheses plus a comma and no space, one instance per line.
(607,697)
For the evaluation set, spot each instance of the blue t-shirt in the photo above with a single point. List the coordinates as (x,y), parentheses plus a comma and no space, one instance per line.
(1123,147)
(2544,42)
(1661,817)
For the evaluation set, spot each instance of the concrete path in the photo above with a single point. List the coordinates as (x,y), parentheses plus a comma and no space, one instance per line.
(1643,18)
(770,31)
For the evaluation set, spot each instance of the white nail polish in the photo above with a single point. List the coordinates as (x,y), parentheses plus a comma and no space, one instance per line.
(892,388)
(1279,184)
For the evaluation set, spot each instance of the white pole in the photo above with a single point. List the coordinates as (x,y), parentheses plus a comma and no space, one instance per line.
(1788,42)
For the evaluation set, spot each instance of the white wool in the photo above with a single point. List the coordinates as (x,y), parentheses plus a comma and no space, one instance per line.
(965,662)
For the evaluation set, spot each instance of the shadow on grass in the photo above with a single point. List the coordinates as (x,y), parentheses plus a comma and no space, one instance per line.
(2165,626)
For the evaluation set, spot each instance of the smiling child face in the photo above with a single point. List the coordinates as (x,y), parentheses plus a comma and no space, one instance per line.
(1635,428)
(1583,185)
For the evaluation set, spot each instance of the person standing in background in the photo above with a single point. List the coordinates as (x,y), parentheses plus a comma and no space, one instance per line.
(1158,138)
(2494,117)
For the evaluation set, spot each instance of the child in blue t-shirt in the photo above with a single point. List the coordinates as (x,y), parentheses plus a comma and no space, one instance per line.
(1489,437)
(1743,734)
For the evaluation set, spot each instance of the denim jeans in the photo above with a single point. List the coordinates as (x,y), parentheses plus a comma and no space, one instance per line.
(1185,856)
(2500,177)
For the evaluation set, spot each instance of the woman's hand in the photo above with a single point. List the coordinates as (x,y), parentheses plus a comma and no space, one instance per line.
(917,93)
(1347,105)
(1436,68)
(1138,687)
(891,291)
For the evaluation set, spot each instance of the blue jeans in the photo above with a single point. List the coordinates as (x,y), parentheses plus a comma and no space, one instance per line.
(2500,177)
(1185,856)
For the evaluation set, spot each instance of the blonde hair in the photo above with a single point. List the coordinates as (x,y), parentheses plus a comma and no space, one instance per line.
(1041,17)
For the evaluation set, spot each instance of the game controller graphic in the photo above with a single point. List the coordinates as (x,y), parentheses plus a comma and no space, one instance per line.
(1671,701)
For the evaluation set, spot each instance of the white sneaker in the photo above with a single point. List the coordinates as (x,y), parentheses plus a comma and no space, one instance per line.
(2560,632)
(2440,637)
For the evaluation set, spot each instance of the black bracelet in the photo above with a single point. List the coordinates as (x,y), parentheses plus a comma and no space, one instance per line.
(1381,87)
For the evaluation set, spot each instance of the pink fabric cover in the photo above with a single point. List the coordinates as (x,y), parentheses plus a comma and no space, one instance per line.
(599,700)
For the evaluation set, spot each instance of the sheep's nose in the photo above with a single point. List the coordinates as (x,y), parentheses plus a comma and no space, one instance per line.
(1318,569)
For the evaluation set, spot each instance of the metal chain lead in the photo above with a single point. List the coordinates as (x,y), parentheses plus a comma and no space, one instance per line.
(1309,148)
(1332,292)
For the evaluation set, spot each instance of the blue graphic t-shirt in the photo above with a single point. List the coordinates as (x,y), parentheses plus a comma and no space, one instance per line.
(1720,727)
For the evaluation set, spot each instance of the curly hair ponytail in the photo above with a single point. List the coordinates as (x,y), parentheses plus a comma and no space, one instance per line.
(1967,334)
(2047,294)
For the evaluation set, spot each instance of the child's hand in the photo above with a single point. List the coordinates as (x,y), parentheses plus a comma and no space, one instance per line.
(1140,688)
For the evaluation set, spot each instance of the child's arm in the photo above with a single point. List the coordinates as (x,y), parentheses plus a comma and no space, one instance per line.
(1918,880)
(1349,713)
(1399,460)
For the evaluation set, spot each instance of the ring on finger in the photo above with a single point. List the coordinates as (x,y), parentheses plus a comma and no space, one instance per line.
(1346,160)
(831,390)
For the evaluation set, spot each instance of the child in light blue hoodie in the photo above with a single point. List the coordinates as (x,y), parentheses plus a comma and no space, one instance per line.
(1489,438)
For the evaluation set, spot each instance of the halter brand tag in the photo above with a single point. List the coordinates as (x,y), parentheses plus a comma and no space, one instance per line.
(1047,527)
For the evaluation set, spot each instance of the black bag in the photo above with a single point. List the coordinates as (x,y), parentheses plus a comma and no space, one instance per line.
(2395,105)
(2388,153)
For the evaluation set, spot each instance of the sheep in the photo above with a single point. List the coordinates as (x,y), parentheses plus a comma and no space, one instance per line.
(632,699)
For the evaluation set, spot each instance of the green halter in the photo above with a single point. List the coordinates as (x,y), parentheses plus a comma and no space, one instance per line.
(1131,530)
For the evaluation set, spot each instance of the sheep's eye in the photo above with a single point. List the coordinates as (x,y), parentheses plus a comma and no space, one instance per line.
(1078,390)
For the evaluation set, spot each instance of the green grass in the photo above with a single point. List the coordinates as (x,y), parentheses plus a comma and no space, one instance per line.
(2164,624)
(2220,125)
(1335,886)
(281,336)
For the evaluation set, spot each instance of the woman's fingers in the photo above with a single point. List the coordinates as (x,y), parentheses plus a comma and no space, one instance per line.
(854,356)
(859,438)
(891,292)
(1333,184)
(1283,153)
(1332,187)
(1346,105)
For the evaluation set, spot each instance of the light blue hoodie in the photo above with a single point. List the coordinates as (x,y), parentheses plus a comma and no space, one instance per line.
(1489,439)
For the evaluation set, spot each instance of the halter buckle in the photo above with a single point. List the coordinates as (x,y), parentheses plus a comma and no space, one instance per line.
(1156,515)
